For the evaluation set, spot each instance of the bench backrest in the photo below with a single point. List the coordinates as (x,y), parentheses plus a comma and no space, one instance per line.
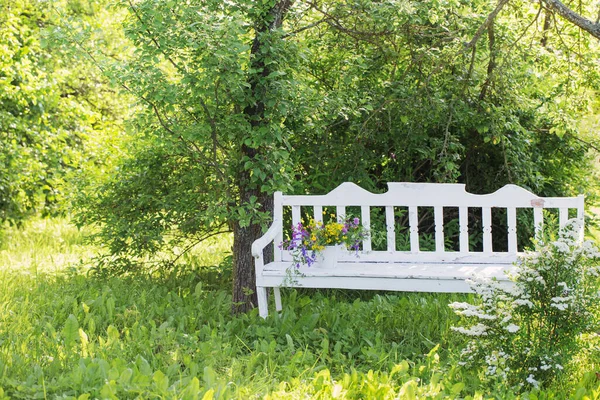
(437,196)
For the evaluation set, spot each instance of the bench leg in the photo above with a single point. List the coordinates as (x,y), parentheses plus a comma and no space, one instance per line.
(277,294)
(263,305)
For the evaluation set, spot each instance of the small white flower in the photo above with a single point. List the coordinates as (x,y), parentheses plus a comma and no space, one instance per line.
(523,302)
(594,271)
(512,328)
(559,306)
(459,305)
(531,380)
(561,246)
(470,310)
(476,330)
(541,280)
(590,249)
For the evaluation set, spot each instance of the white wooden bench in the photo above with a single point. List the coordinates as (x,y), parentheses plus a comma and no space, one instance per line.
(440,270)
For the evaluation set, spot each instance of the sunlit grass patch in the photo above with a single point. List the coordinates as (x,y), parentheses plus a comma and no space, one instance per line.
(43,245)
(211,251)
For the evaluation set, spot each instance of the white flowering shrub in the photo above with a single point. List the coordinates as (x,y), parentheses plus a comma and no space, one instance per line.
(526,333)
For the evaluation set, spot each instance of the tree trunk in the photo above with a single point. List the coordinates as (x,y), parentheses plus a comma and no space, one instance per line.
(547,26)
(244,276)
(244,282)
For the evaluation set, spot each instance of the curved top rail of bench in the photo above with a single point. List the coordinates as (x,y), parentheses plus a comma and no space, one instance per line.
(431,195)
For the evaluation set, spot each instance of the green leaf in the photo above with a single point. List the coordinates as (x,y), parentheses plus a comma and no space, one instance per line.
(143,365)
(408,390)
(113,334)
(70,331)
(209,377)
(457,388)
(83,338)
(401,368)
(192,389)
(161,381)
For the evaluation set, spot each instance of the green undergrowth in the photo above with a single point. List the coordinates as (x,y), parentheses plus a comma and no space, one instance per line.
(66,334)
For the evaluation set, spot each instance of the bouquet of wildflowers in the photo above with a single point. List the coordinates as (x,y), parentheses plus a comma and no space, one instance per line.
(308,240)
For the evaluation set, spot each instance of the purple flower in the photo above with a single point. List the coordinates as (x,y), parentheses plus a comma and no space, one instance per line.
(356,221)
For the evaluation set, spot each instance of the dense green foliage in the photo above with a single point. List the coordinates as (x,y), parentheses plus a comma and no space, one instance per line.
(407,100)
(369,92)
(191,69)
(66,335)
(58,115)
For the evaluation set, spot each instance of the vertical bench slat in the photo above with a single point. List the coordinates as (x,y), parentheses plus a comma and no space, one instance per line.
(413,222)
(391,230)
(439,228)
(538,221)
(318,214)
(278,213)
(486,213)
(463,220)
(295,215)
(511,222)
(365,217)
(341,213)
(563,216)
(580,217)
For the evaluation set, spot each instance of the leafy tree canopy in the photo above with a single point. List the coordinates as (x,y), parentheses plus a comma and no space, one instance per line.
(58,115)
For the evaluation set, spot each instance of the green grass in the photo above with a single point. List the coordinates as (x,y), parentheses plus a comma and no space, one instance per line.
(66,334)
(43,245)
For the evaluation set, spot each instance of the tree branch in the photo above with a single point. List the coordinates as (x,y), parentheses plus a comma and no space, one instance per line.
(573,17)
(486,23)
(547,26)
(151,36)
(209,116)
(560,37)
(304,28)
(491,62)
(279,12)
(200,240)
(335,23)
(590,145)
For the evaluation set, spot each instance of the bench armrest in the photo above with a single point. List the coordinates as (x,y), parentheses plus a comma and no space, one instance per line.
(259,244)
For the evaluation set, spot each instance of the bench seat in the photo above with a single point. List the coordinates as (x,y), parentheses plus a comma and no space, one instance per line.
(400,276)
